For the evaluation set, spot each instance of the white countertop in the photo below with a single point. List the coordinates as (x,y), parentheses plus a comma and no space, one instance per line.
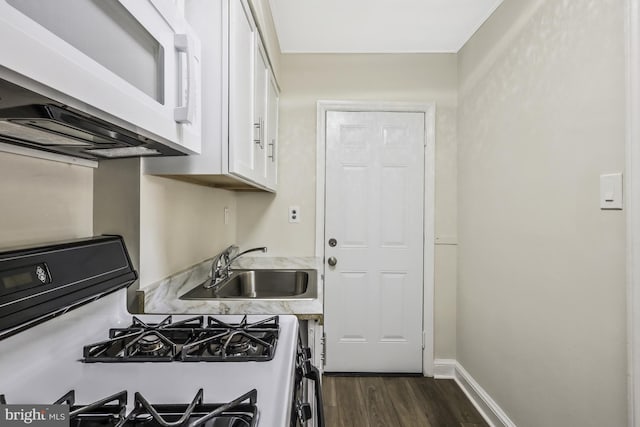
(163,296)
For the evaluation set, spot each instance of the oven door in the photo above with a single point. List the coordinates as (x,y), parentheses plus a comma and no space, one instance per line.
(135,63)
(307,407)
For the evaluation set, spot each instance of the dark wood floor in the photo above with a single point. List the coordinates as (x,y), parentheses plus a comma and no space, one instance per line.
(396,401)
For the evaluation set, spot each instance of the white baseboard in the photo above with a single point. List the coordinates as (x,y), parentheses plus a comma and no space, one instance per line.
(488,408)
(444,369)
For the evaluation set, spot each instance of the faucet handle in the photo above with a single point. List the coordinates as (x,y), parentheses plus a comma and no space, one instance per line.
(231,252)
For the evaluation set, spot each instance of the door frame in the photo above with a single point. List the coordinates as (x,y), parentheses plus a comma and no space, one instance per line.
(429,110)
(632,206)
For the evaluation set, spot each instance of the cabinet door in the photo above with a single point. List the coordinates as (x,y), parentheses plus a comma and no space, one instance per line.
(260,115)
(272,134)
(242,39)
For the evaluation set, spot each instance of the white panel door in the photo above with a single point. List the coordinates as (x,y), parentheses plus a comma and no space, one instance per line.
(374,211)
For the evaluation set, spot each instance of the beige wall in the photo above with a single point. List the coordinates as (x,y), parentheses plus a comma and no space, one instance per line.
(43,201)
(541,269)
(181,224)
(167,225)
(305,79)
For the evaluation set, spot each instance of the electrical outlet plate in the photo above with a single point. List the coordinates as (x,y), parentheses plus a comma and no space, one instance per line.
(294,214)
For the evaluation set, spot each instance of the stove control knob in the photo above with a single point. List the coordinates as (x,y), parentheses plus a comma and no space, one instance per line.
(42,276)
(304,412)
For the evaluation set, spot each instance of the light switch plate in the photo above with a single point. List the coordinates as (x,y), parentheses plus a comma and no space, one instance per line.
(611,191)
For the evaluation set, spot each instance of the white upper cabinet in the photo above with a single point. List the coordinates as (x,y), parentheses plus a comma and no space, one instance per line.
(136,62)
(239,123)
(242,57)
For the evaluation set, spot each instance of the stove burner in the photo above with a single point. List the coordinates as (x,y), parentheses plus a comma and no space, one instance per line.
(188,340)
(234,344)
(151,345)
(237,344)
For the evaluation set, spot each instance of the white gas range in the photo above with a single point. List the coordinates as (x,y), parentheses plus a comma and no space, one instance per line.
(238,370)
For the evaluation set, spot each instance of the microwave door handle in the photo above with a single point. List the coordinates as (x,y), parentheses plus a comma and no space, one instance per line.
(185,112)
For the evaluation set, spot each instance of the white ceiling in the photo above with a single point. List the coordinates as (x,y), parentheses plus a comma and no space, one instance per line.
(383,26)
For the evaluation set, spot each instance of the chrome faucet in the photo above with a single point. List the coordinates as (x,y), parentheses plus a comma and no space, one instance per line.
(221,266)
(219,262)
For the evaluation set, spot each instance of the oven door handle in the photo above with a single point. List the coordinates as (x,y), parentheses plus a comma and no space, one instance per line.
(314,374)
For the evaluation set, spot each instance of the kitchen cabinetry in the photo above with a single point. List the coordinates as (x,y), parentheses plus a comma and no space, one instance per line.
(240,103)
(132,62)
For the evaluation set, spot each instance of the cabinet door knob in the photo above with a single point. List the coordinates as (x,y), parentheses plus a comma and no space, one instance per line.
(332,261)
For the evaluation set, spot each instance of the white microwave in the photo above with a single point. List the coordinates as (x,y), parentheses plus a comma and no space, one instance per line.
(131,63)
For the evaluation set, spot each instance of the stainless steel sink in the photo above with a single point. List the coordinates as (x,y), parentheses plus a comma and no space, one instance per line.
(261,284)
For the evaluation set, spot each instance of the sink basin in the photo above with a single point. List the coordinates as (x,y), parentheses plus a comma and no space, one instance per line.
(260,284)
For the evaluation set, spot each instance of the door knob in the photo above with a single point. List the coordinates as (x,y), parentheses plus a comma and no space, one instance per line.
(332,261)
(333,242)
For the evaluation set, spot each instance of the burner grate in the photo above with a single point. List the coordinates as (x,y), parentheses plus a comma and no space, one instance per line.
(107,412)
(240,412)
(142,342)
(243,341)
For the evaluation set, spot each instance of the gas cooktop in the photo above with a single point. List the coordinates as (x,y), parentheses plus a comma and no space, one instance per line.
(190,340)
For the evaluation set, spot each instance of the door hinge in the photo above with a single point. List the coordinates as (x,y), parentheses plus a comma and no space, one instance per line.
(323,352)
(424,339)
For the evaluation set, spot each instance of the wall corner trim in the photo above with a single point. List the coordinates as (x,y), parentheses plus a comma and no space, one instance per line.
(493,414)
(632,198)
